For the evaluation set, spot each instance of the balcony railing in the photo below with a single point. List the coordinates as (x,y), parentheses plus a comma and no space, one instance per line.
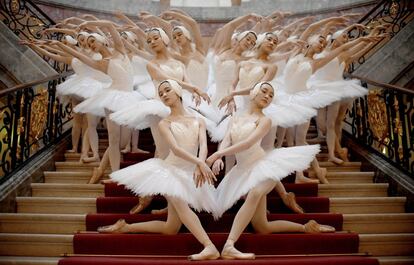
(393,14)
(383,122)
(32,119)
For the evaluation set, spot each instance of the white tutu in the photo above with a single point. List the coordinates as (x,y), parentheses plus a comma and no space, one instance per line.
(287,114)
(158,177)
(344,88)
(274,165)
(80,87)
(110,99)
(141,115)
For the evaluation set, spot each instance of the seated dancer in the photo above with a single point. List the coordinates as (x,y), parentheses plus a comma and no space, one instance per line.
(256,173)
(182,178)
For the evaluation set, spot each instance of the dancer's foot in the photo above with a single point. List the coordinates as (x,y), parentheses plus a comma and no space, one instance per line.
(290,201)
(312,227)
(139,151)
(73,150)
(96,175)
(321,174)
(210,252)
(303,179)
(143,203)
(107,181)
(117,228)
(343,154)
(127,149)
(90,159)
(160,211)
(230,252)
(335,160)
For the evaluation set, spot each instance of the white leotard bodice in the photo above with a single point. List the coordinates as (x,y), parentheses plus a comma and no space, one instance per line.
(186,135)
(242,127)
(84,70)
(332,71)
(121,72)
(250,74)
(197,72)
(225,75)
(298,70)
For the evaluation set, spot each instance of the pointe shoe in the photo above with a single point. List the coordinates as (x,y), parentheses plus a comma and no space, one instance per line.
(336,160)
(143,203)
(71,151)
(312,227)
(90,159)
(321,174)
(96,175)
(160,211)
(113,229)
(230,252)
(209,253)
(290,201)
(139,151)
(126,150)
(343,154)
(304,179)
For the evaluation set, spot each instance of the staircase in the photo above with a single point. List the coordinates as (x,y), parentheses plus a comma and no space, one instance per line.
(53,222)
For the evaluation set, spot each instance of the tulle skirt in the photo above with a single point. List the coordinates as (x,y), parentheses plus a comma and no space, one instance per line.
(80,87)
(159,177)
(345,89)
(275,165)
(110,99)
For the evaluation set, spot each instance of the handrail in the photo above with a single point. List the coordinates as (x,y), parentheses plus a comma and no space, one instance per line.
(34,83)
(375,83)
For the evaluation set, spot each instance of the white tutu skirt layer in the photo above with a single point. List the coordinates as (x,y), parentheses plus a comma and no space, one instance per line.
(80,87)
(287,115)
(313,98)
(345,89)
(275,165)
(141,115)
(158,177)
(110,99)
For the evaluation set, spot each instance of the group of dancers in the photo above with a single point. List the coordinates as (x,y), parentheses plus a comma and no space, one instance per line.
(260,81)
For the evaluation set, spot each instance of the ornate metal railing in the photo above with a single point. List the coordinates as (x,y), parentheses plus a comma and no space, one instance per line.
(32,119)
(27,21)
(384,122)
(394,14)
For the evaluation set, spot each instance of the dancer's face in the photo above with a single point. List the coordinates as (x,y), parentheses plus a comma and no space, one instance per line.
(94,44)
(83,41)
(342,39)
(167,94)
(179,37)
(154,41)
(248,41)
(269,44)
(317,44)
(265,96)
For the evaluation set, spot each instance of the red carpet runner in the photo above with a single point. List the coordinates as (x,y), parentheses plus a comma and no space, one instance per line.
(142,249)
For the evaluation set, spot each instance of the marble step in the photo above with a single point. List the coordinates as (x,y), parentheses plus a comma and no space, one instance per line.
(353,190)
(70,223)
(71,205)
(28,260)
(38,245)
(365,205)
(398,244)
(396,260)
(350,177)
(52,245)
(67,190)
(80,177)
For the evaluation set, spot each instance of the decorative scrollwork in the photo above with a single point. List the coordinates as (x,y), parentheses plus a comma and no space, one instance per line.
(377,116)
(38,117)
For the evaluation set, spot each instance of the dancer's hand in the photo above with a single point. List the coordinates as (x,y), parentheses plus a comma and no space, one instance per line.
(229,101)
(201,94)
(196,99)
(211,159)
(198,177)
(207,174)
(218,165)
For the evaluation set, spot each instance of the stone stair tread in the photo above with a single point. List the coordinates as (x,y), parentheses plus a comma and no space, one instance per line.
(367,199)
(27,260)
(56,199)
(14,237)
(352,185)
(391,244)
(379,216)
(67,186)
(345,164)
(395,260)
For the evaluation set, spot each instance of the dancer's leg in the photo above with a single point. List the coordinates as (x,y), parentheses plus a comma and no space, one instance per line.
(93,138)
(243,218)
(280,135)
(76,127)
(134,143)
(114,135)
(193,224)
(332,114)
(288,198)
(342,152)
